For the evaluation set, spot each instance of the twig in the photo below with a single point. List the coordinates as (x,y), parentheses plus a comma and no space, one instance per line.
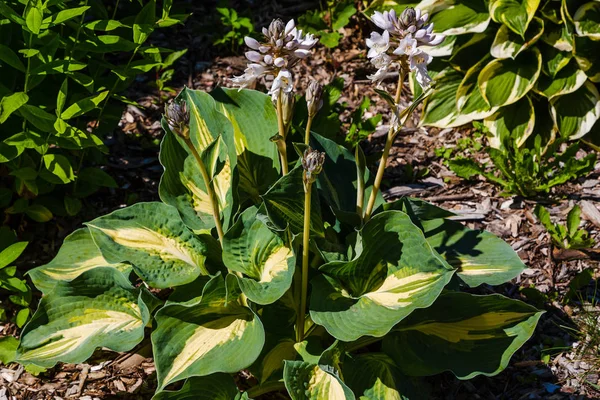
(451,197)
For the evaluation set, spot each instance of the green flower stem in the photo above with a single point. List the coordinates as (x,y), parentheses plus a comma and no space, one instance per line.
(307,133)
(360,182)
(305,253)
(267,387)
(281,146)
(386,152)
(212,196)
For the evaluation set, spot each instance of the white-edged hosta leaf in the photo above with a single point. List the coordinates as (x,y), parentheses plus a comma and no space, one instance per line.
(183,187)
(567,80)
(305,381)
(588,57)
(479,256)
(285,204)
(575,113)
(467,334)
(77,254)
(554,60)
(272,361)
(587,20)
(469,100)
(211,387)
(375,376)
(439,108)
(395,272)
(443,49)
(213,334)
(504,82)
(153,238)
(516,14)
(514,122)
(99,308)
(508,44)
(266,261)
(462,17)
(558,36)
(254,122)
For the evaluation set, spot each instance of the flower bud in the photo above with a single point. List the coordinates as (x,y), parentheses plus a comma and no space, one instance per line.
(312,162)
(276,29)
(408,17)
(178,118)
(287,104)
(314,101)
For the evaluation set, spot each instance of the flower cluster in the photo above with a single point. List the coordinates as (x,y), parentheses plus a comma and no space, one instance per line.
(282,47)
(400,43)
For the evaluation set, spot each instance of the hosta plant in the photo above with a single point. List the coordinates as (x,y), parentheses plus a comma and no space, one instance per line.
(214,272)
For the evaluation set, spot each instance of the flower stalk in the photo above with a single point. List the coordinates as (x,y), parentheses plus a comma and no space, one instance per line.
(280,140)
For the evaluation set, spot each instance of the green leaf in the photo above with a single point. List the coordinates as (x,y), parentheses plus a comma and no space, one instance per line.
(284,203)
(39,213)
(305,381)
(104,25)
(567,80)
(382,284)
(575,113)
(516,14)
(61,97)
(208,335)
(587,20)
(330,39)
(588,57)
(152,237)
(60,167)
(573,220)
(211,387)
(77,255)
(105,44)
(11,253)
(97,177)
(21,317)
(469,99)
(461,17)
(508,44)
(8,56)
(467,334)
(266,260)
(33,19)
(65,15)
(8,349)
(514,122)
(342,14)
(478,256)
(84,105)
(504,82)
(439,109)
(144,23)
(99,308)
(58,67)
(10,104)
(254,121)
(274,358)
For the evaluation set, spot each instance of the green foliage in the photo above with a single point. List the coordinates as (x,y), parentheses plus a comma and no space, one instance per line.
(63,64)
(508,62)
(567,236)
(237,28)
(327,22)
(384,293)
(19,292)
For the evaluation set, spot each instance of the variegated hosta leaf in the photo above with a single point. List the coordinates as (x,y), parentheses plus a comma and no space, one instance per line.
(503,82)
(514,122)
(558,36)
(210,387)
(375,376)
(394,273)
(469,100)
(285,204)
(213,334)
(273,360)
(467,334)
(567,80)
(266,261)
(588,57)
(471,47)
(99,308)
(462,17)
(254,122)
(152,237)
(183,187)
(575,113)
(508,44)
(443,49)
(553,60)
(479,256)
(439,108)
(77,254)
(516,14)
(587,20)
(305,381)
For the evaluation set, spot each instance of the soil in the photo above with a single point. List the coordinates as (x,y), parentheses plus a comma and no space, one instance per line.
(550,365)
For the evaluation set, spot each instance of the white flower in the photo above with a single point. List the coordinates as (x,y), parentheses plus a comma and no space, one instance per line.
(386,20)
(407,46)
(378,44)
(381,61)
(283,82)
(251,74)
(418,64)
(379,76)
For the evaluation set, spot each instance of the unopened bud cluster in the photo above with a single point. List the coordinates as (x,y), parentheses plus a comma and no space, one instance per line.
(282,47)
(400,43)
(312,162)
(177,116)
(314,98)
